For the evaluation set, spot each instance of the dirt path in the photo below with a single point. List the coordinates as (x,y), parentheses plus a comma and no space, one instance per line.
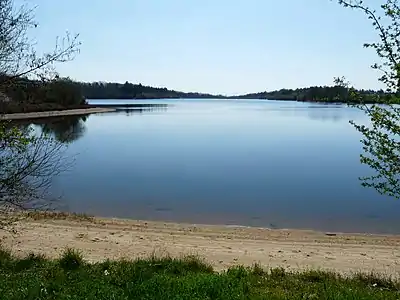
(221,245)
(58,113)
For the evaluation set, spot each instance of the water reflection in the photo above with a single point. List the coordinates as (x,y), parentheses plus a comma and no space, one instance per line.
(331,113)
(133,109)
(68,129)
(65,129)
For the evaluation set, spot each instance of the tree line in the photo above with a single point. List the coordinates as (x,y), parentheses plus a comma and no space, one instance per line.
(329,94)
(60,93)
(64,93)
(127,90)
(23,95)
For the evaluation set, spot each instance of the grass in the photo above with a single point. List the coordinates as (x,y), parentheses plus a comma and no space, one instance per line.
(70,277)
(53,215)
(9,219)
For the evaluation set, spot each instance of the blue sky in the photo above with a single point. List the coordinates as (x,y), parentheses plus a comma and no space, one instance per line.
(214,46)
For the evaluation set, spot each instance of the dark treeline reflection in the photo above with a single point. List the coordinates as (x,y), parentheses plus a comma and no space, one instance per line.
(133,109)
(69,129)
(64,129)
(328,113)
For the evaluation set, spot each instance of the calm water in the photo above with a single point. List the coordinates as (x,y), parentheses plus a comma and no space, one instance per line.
(258,163)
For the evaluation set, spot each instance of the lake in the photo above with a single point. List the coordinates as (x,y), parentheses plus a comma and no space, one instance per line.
(253,162)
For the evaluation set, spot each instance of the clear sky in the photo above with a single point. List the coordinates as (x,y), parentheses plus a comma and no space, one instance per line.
(214,46)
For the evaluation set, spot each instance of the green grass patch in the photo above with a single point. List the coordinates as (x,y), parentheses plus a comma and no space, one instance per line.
(70,277)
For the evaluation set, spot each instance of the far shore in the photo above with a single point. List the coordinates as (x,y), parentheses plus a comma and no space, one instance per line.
(224,246)
(55,113)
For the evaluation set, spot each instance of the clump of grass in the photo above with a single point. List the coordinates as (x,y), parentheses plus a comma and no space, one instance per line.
(5,257)
(377,281)
(177,266)
(196,264)
(318,276)
(238,272)
(30,261)
(258,270)
(71,259)
(53,215)
(277,273)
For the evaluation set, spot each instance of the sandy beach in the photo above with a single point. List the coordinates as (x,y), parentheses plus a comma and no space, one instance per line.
(58,113)
(223,246)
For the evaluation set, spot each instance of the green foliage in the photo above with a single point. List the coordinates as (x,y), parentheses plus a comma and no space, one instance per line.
(388,46)
(158,279)
(13,139)
(381,149)
(380,138)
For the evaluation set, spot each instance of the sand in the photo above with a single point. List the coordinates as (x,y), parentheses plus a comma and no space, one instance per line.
(58,113)
(222,246)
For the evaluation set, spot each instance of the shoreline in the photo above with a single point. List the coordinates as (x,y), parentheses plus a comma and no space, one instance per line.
(55,113)
(221,245)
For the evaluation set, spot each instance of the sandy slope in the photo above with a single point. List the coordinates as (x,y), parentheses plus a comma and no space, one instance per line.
(222,246)
(58,113)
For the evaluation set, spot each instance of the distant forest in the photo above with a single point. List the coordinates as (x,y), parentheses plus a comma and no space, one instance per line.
(127,90)
(330,94)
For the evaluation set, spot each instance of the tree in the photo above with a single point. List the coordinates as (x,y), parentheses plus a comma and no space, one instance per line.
(28,165)
(28,161)
(62,91)
(380,139)
(18,56)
